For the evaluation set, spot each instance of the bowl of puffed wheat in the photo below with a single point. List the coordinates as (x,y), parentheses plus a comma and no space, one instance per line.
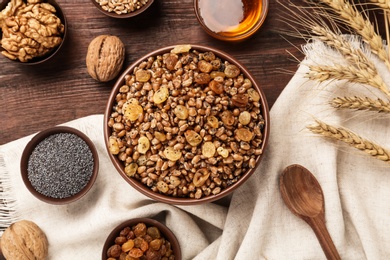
(32,31)
(186,124)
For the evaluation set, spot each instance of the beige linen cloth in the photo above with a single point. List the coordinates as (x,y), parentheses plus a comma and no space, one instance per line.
(257,224)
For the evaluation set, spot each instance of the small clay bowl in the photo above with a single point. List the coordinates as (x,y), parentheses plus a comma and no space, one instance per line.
(123,15)
(222,28)
(36,140)
(38,60)
(149,222)
(138,185)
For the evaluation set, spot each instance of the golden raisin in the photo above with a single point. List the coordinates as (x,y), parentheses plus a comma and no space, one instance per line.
(142,75)
(181,49)
(143,144)
(160,136)
(201,177)
(202,78)
(208,149)
(253,94)
(244,118)
(223,152)
(136,253)
(161,95)
(114,251)
(212,121)
(132,111)
(216,87)
(153,232)
(172,154)
(131,169)
(155,244)
(227,118)
(240,100)
(209,56)
(244,134)
(162,186)
(139,230)
(232,71)
(192,137)
(181,112)
(205,66)
(113,145)
(170,61)
(128,245)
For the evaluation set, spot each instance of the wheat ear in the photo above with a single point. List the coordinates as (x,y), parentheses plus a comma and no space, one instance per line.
(361,103)
(385,4)
(350,138)
(354,55)
(355,20)
(350,73)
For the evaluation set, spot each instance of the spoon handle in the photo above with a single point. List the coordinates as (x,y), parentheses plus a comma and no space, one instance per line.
(319,228)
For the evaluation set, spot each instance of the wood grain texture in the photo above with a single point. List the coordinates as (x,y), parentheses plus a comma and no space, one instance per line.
(35,98)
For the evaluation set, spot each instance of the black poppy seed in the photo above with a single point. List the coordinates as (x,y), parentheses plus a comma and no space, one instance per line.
(60,165)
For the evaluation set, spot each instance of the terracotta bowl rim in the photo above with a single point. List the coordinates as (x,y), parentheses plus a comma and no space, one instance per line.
(177,200)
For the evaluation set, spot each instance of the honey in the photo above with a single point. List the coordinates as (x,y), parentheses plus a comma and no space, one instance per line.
(230,18)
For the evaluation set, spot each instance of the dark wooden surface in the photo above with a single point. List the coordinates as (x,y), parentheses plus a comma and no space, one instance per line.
(35,98)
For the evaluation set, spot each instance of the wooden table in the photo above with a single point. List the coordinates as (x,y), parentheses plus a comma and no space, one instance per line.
(33,98)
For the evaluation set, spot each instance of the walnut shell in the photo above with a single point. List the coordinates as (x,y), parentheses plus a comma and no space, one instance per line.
(24,240)
(105,57)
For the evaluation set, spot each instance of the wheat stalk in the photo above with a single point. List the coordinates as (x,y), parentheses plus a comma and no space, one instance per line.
(355,20)
(361,103)
(350,73)
(350,138)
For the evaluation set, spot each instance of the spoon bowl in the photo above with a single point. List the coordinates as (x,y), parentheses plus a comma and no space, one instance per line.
(302,191)
(303,195)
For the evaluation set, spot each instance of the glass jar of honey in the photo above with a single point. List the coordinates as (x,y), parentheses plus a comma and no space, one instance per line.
(231,20)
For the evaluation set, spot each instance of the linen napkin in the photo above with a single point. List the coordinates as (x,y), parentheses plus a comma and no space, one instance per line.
(78,230)
(257,224)
(356,186)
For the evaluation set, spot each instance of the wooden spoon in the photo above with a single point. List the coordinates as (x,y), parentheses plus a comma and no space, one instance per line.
(303,195)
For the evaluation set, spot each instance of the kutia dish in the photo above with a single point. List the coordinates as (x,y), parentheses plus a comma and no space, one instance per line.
(122,8)
(59,165)
(141,237)
(186,124)
(24,44)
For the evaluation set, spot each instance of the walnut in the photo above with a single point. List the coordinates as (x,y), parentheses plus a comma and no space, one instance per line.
(105,57)
(29,30)
(24,240)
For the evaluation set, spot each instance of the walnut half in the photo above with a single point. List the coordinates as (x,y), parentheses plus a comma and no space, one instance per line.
(29,29)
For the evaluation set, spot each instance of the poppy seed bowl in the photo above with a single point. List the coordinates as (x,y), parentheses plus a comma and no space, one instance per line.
(59,165)
(186,124)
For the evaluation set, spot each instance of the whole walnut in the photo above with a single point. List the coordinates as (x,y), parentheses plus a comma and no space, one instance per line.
(24,240)
(105,57)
